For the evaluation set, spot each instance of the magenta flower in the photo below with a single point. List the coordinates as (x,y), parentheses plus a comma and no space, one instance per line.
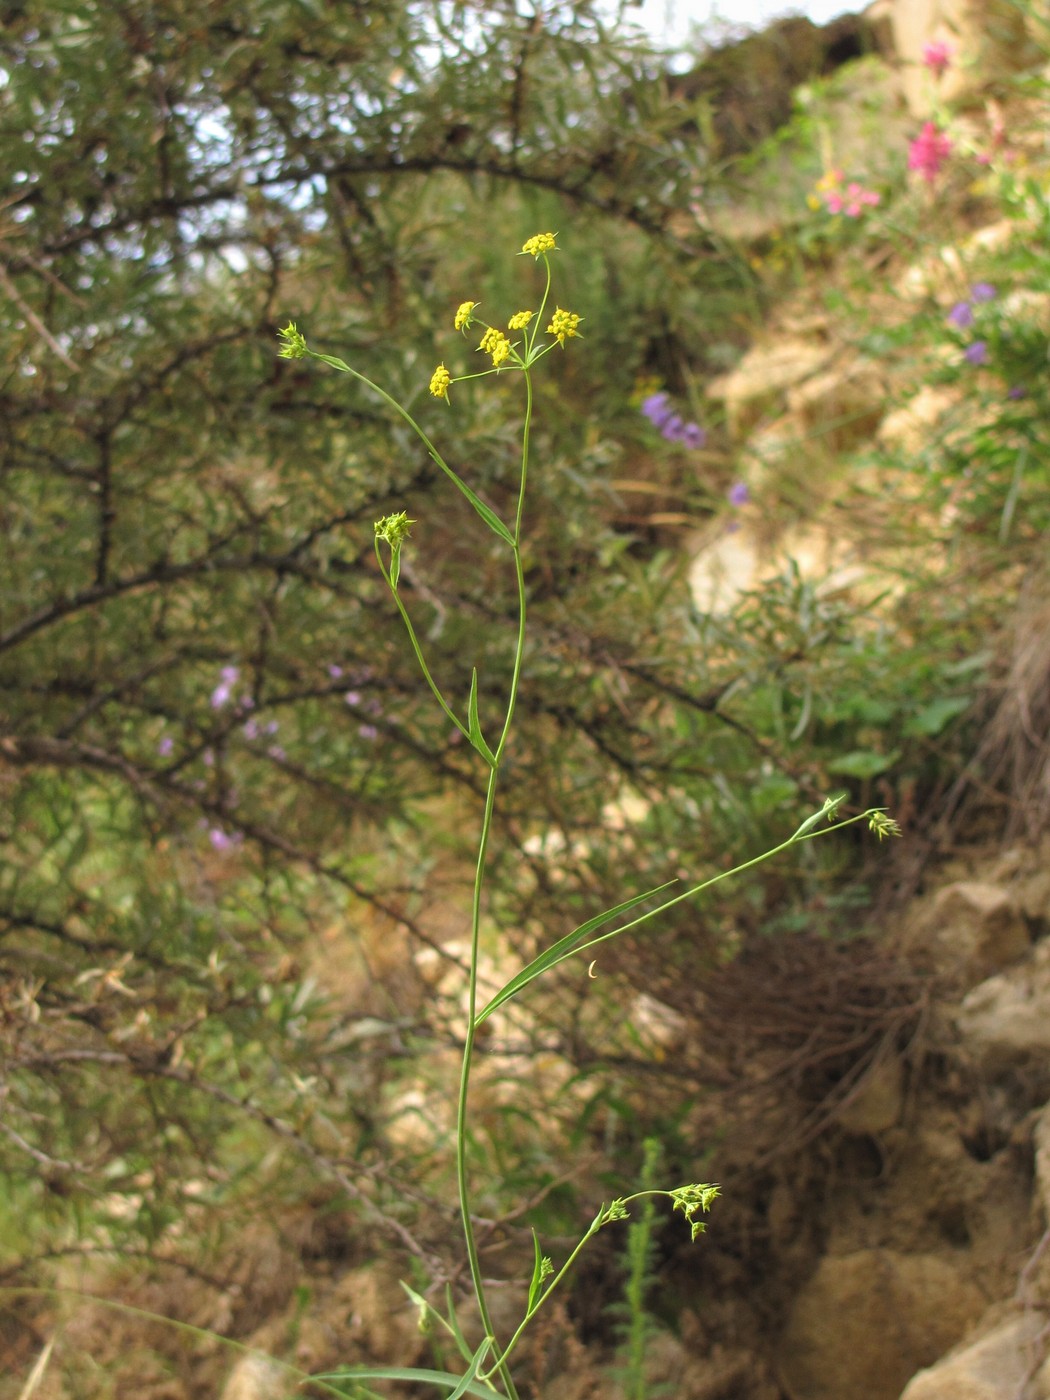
(335,671)
(977,353)
(937,56)
(738,494)
(165,746)
(352,697)
(851,201)
(928,152)
(368,731)
(983,291)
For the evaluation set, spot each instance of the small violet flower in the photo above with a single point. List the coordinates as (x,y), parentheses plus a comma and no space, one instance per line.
(228,678)
(738,494)
(937,56)
(977,353)
(928,152)
(657,409)
(961,316)
(352,697)
(673,427)
(223,840)
(983,291)
(368,731)
(335,671)
(165,746)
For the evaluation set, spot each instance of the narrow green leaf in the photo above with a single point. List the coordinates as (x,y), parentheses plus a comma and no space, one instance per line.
(830,807)
(453,1324)
(331,360)
(487,514)
(472,1370)
(473,723)
(453,1384)
(537,1273)
(395,565)
(559,951)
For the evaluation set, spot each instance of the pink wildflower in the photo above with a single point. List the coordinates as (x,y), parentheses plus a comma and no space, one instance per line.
(937,56)
(928,152)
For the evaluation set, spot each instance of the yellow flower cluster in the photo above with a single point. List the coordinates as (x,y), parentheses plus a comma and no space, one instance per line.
(439,382)
(563,325)
(496,344)
(463,316)
(519,320)
(539,243)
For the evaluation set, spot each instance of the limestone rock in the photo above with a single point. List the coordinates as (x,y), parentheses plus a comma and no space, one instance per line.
(908,429)
(726,568)
(994,1367)
(967,931)
(257,1377)
(762,378)
(988,39)
(1005,1021)
(867,1321)
(844,403)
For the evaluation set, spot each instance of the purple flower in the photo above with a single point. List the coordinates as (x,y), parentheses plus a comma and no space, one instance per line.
(335,671)
(673,428)
(228,678)
(277,753)
(1016,391)
(352,697)
(208,758)
(983,291)
(977,353)
(252,730)
(271,727)
(961,316)
(738,494)
(657,409)
(166,745)
(368,731)
(693,436)
(224,841)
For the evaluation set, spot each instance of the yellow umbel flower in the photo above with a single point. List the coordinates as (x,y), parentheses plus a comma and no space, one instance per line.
(463,316)
(519,320)
(439,382)
(539,243)
(563,325)
(496,344)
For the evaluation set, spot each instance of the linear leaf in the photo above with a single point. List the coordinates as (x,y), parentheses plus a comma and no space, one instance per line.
(557,952)
(415,1373)
(473,723)
(537,1273)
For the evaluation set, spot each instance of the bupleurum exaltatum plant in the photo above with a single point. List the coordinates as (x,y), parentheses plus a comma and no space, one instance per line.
(527,336)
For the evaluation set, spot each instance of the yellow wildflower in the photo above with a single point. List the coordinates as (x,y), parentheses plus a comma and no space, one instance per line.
(563,325)
(496,344)
(439,382)
(463,317)
(539,243)
(519,320)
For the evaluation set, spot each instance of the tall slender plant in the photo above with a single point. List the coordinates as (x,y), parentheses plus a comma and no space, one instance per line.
(538,332)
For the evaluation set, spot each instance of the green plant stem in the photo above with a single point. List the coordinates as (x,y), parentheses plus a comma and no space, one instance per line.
(475,916)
